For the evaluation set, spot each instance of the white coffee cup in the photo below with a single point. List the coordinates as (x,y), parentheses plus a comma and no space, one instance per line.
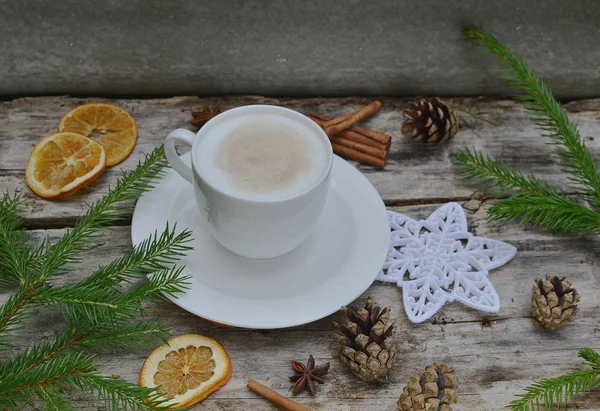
(252,227)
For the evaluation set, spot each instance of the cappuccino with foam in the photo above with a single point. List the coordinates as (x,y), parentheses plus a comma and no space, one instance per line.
(262,157)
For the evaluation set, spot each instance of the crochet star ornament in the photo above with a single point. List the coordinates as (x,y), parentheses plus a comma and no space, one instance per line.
(437,260)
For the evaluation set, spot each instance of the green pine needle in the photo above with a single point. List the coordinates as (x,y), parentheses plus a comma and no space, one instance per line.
(122,395)
(547,114)
(591,357)
(531,200)
(555,392)
(12,311)
(105,212)
(154,253)
(40,352)
(553,212)
(98,299)
(53,400)
(127,337)
(496,177)
(59,371)
(102,309)
(13,243)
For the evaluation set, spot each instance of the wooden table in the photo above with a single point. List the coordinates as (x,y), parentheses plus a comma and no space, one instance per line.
(495,356)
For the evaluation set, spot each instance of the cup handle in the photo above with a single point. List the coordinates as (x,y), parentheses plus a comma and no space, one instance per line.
(183,136)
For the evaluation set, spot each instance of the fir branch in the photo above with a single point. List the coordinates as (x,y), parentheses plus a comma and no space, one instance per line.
(552,392)
(532,200)
(94,306)
(122,395)
(97,298)
(548,115)
(132,184)
(61,371)
(535,202)
(101,312)
(555,212)
(99,305)
(53,400)
(154,253)
(77,370)
(104,212)
(13,242)
(11,311)
(136,335)
(591,357)
(40,353)
(168,282)
(496,176)
(132,336)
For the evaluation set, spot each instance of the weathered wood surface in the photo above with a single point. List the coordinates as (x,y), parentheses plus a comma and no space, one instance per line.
(415,173)
(495,356)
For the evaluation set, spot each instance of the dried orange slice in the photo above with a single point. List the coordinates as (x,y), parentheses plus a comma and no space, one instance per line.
(186,369)
(109,125)
(62,162)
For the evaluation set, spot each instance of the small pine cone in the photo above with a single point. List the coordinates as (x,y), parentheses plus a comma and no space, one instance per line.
(432,390)
(553,301)
(430,121)
(368,347)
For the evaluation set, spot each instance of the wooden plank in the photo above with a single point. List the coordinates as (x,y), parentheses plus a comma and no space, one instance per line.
(416,172)
(495,356)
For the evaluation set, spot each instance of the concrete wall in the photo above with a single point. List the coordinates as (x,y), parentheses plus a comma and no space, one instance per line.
(289,47)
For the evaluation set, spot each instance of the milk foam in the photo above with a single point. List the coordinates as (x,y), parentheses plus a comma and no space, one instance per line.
(262,156)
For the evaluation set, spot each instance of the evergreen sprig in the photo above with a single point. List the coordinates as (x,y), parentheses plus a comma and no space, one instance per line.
(101,310)
(13,244)
(554,392)
(532,200)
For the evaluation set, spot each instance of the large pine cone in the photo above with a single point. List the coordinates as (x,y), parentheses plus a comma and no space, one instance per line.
(368,347)
(553,301)
(430,121)
(432,390)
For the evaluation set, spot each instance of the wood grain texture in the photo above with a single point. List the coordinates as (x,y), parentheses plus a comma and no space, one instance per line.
(415,172)
(495,356)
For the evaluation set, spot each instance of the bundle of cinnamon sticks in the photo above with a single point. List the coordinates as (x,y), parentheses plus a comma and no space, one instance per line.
(356,142)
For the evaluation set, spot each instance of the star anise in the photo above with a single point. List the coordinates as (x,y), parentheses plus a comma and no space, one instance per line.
(207,112)
(306,376)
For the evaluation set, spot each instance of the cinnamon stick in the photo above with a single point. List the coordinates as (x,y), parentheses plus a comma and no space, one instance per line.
(337,120)
(373,151)
(377,136)
(279,400)
(354,154)
(349,120)
(350,134)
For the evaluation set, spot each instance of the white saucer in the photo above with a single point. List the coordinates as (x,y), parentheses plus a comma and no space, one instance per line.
(332,268)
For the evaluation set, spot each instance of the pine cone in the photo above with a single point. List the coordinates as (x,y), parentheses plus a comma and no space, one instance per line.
(432,390)
(367,346)
(553,302)
(430,121)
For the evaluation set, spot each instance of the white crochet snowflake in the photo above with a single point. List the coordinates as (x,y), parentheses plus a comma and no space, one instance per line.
(438,260)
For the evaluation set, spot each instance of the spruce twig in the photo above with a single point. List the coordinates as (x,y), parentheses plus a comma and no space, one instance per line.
(101,312)
(547,114)
(13,242)
(554,392)
(132,184)
(103,213)
(532,200)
